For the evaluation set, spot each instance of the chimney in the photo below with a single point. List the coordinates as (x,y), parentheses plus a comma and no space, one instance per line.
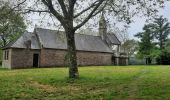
(102,27)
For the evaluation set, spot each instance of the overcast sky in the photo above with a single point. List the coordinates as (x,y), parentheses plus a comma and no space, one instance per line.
(139,22)
(135,27)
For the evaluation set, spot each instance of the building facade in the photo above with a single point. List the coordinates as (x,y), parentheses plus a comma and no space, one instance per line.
(48,48)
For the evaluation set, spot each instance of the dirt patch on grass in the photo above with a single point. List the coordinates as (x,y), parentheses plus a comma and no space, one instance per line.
(54,89)
(43,87)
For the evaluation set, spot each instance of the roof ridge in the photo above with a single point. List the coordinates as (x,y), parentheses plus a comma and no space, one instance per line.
(64,31)
(48,29)
(87,35)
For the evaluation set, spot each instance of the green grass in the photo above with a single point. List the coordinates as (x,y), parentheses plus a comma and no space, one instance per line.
(95,83)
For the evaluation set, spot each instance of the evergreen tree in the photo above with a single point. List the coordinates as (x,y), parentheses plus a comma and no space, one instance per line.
(161,28)
(146,44)
(157,30)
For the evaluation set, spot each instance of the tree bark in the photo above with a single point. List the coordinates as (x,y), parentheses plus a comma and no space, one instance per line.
(4,41)
(72,58)
(149,61)
(146,61)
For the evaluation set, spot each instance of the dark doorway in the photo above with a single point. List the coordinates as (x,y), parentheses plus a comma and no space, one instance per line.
(35,60)
(122,61)
(113,60)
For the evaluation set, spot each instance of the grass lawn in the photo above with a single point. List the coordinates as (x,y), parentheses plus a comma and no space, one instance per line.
(95,83)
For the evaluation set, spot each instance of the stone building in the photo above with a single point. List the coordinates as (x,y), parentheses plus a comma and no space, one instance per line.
(48,48)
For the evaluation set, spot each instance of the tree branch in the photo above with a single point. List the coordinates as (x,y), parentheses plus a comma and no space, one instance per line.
(71,8)
(88,8)
(89,16)
(100,10)
(49,4)
(19,4)
(63,7)
(32,10)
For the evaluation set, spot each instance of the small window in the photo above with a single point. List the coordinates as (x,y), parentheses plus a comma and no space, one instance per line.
(6,55)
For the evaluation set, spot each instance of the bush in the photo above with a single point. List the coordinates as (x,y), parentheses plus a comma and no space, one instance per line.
(136,61)
(164,58)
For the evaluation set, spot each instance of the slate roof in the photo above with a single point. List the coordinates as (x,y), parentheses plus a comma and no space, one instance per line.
(21,41)
(57,40)
(45,38)
(113,39)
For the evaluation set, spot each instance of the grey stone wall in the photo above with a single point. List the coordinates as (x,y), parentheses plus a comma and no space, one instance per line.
(23,58)
(50,57)
(93,58)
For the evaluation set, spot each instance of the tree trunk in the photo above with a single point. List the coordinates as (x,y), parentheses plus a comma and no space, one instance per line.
(71,51)
(149,60)
(4,41)
(160,62)
(146,61)
(161,45)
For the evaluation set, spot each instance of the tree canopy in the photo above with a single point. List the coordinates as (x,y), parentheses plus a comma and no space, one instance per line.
(161,29)
(11,24)
(146,43)
(154,39)
(130,46)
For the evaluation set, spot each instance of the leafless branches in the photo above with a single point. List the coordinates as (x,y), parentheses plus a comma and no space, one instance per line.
(66,10)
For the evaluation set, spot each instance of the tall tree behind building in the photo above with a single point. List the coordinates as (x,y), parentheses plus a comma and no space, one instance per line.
(146,44)
(161,30)
(154,39)
(130,46)
(11,24)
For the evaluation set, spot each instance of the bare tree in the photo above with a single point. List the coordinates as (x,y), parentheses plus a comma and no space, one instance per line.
(73,14)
